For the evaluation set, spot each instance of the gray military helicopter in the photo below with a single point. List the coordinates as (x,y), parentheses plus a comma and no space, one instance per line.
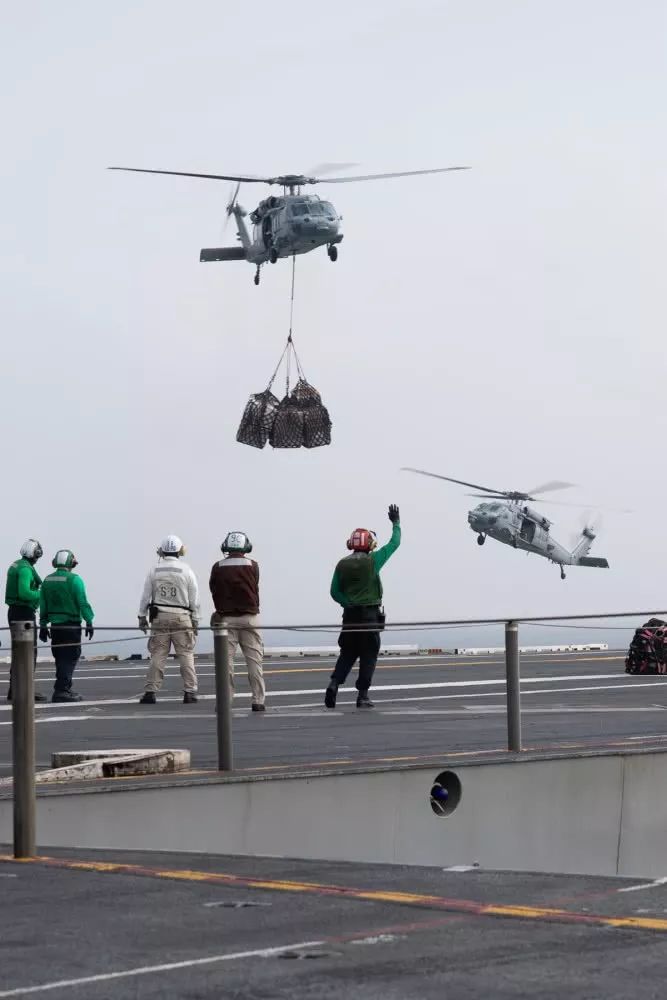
(285,225)
(514,523)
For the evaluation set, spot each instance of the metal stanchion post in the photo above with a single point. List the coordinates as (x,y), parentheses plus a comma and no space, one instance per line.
(23,738)
(513,686)
(223,696)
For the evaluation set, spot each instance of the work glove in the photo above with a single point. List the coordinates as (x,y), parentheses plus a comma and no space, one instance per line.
(90,631)
(44,634)
(195,626)
(394,514)
(143,624)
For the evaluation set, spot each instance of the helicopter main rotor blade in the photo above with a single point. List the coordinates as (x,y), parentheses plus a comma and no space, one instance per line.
(327,168)
(210,177)
(555,484)
(461,482)
(379,177)
(588,506)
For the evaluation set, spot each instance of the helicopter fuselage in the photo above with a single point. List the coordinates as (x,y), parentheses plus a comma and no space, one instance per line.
(521,527)
(291,224)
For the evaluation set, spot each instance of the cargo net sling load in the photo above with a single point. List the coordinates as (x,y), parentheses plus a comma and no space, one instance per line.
(648,650)
(299,420)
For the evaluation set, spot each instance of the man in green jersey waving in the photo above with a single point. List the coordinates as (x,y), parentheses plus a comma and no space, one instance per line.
(62,604)
(357,587)
(22,594)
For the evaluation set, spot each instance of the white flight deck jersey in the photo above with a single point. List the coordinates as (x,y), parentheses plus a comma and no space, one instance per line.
(172,587)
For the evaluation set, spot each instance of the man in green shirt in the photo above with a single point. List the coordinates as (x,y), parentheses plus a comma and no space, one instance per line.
(22,594)
(62,604)
(357,587)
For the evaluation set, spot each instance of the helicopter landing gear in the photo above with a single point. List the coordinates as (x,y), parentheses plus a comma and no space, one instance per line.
(562,573)
(256,279)
(481,539)
(273,255)
(332,252)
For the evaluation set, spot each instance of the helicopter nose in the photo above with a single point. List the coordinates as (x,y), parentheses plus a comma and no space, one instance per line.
(481,522)
(320,227)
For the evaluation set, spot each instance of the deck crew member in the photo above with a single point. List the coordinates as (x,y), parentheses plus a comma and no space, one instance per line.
(357,587)
(170,600)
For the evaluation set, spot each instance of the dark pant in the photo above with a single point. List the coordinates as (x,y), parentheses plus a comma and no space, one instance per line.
(20,613)
(66,649)
(358,645)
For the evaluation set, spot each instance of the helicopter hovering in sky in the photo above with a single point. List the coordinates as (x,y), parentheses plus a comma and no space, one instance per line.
(287,224)
(510,520)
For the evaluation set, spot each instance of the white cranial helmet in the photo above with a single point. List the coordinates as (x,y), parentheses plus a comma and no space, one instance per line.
(171,546)
(31,549)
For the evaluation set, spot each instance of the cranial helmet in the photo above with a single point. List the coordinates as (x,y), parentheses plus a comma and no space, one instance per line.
(171,546)
(362,540)
(31,549)
(64,559)
(237,541)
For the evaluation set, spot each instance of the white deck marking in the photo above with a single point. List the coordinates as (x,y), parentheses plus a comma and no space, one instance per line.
(146,970)
(428,685)
(644,885)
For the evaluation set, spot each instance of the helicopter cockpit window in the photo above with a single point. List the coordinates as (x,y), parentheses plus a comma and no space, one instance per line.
(300,208)
(323,208)
(495,506)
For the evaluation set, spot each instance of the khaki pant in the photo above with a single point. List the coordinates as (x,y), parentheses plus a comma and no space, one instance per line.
(244,632)
(165,630)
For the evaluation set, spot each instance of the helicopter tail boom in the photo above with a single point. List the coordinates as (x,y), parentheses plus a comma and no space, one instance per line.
(580,552)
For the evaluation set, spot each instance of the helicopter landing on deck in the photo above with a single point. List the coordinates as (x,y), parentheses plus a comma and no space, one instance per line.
(506,517)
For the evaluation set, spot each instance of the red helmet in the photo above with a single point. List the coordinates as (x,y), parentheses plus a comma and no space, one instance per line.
(362,540)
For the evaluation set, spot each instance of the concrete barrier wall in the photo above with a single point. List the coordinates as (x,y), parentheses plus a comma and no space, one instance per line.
(601,815)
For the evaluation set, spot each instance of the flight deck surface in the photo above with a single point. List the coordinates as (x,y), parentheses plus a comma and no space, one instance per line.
(98,924)
(425,707)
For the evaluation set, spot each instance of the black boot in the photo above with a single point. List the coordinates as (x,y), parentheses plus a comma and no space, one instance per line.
(363,701)
(147,698)
(38,696)
(330,695)
(189,697)
(65,696)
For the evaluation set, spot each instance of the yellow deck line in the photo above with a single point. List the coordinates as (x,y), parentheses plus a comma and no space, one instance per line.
(464,906)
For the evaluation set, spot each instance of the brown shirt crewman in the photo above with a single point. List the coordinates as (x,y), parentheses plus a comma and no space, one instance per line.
(234,585)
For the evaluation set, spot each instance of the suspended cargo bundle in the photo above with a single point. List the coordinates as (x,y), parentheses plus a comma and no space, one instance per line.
(316,419)
(287,430)
(257,420)
(299,420)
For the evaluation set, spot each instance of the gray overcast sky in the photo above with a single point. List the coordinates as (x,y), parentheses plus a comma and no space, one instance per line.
(503,325)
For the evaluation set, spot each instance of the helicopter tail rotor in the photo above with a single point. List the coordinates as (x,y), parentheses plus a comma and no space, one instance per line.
(229,209)
(590,523)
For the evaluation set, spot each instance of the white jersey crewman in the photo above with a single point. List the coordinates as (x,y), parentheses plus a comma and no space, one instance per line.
(170,600)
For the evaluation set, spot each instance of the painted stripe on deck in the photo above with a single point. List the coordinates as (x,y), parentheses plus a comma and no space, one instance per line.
(454,905)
